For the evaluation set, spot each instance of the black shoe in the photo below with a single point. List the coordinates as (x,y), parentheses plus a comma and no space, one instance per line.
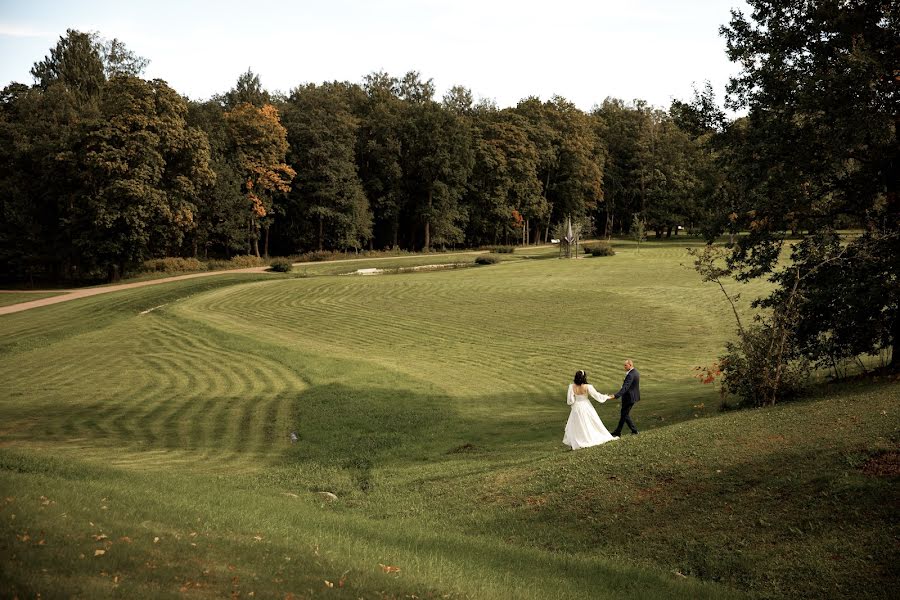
(616,434)
(634,433)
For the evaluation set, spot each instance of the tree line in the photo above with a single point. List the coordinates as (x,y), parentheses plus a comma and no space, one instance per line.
(103,169)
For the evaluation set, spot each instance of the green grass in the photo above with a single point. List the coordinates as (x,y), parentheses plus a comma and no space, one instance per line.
(8,298)
(432,404)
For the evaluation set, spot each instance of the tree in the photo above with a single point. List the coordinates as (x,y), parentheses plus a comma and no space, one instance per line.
(247,90)
(260,144)
(571,157)
(141,171)
(322,134)
(76,64)
(221,212)
(701,116)
(820,148)
(503,190)
(624,129)
(378,154)
(458,100)
(119,60)
(436,157)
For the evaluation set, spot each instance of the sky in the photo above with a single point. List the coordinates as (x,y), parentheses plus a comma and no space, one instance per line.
(502,50)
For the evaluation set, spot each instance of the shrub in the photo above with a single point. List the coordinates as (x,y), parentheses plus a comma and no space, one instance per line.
(172,265)
(217,265)
(282,266)
(245,261)
(602,249)
(503,249)
(753,373)
(317,256)
(486,260)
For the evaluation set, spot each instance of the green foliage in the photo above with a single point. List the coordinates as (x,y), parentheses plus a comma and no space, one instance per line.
(75,64)
(246,261)
(755,373)
(106,170)
(247,90)
(327,204)
(173,265)
(282,266)
(818,147)
(486,260)
(638,230)
(260,144)
(602,249)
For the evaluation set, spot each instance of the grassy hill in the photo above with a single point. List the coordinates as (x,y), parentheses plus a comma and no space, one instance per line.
(148,454)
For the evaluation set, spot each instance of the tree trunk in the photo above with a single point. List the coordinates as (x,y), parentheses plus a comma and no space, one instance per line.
(895,335)
(266,244)
(321,232)
(254,237)
(428,224)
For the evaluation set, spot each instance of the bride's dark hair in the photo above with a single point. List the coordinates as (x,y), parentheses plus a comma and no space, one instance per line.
(580,377)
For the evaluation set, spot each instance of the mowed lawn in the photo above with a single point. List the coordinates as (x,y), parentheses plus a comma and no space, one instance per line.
(146,443)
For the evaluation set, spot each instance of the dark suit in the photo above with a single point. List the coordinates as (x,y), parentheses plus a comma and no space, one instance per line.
(630,395)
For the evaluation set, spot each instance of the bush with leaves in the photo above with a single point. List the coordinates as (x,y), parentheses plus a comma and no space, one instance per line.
(756,375)
(766,363)
(282,266)
(602,249)
(503,249)
(487,260)
(172,265)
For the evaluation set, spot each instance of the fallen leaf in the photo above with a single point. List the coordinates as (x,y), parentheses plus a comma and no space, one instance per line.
(328,584)
(257,538)
(125,539)
(99,552)
(156,540)
(389,568)
(102,536)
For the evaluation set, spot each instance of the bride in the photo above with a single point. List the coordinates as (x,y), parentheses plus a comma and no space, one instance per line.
(584,428)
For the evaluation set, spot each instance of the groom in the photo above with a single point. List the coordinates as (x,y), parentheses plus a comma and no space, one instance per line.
(630,394)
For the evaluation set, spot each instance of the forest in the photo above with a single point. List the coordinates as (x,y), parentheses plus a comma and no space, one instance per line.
(103,170)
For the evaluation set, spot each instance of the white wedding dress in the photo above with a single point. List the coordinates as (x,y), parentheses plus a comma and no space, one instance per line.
(585,428)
